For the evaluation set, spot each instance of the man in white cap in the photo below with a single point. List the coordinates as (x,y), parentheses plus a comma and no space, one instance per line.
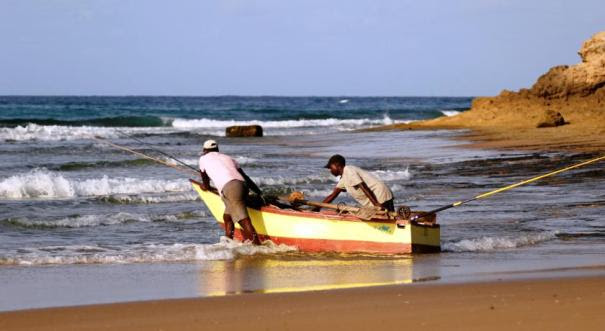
(233,185)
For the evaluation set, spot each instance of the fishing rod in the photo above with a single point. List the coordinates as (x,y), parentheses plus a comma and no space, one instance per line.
(506,188)
(126,149)
(155,149)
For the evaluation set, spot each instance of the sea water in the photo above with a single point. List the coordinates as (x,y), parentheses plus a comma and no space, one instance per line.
(82,222)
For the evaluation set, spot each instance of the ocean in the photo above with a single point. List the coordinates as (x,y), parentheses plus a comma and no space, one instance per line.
(82,222)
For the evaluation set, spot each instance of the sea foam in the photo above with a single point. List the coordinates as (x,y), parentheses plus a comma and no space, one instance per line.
(498,243)
(328,122)
(450,112)
(42,183)
(225,249)
(101,220)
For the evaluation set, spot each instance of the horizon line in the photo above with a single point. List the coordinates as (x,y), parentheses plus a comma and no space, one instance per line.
(235,96)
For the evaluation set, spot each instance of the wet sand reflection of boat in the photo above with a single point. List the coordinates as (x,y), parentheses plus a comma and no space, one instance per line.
(328,231)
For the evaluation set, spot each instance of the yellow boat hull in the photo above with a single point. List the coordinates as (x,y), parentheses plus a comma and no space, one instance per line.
(329,232)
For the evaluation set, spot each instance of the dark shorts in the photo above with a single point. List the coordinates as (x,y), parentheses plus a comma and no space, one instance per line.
(234,196)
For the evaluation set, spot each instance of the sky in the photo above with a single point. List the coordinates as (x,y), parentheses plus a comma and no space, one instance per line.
(287,47)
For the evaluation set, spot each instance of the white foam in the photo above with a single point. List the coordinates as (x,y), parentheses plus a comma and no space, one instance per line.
(62,132)
(328,122)
(226,249)
(101,220)
(343,101)
(392,175)
(281,180)
(450,112)
(148,199)
(54,132)
(497,243)
(245,160)
(318,193)
(41,183)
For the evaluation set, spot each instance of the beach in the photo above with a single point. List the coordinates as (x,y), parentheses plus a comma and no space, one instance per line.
(554,304)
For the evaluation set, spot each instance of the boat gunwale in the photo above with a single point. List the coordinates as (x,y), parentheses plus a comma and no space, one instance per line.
(330,215)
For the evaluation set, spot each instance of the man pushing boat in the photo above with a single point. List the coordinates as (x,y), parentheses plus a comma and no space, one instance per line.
(233,185)
(364,187)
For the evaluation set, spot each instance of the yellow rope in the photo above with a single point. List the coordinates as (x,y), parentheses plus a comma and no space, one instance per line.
(485,195)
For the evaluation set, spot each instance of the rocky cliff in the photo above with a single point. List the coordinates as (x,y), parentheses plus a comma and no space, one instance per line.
(576,92)
(563,110)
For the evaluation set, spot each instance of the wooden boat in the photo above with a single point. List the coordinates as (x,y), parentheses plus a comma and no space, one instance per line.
(329,231)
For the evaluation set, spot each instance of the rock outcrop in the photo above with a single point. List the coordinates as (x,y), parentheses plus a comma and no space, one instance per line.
(568,90)
(533,118)
(244,131)
(551,119)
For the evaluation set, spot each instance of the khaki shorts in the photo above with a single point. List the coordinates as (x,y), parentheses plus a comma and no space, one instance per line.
(234,196)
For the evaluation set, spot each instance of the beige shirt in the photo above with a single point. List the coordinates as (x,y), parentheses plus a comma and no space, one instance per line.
(353,176)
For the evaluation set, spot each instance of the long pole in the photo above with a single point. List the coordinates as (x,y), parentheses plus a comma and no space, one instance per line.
(155,149)
(126,149)
(506,188)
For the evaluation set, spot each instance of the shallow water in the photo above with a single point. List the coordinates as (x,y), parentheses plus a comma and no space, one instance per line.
(83,223)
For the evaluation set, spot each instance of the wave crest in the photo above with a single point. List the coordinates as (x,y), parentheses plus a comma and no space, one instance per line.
(495,243)
(100,220)
(299,123)
(226,249)
(41,183)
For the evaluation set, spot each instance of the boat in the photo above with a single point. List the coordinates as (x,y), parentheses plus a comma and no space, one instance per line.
(331,231)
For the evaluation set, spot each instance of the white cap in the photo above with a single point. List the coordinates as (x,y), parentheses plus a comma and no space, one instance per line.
(210,144)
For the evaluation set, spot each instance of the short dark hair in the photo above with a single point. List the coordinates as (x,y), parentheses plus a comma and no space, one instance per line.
(336,159)
(215,149)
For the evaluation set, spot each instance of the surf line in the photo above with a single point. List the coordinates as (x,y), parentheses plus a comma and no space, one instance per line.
(506,188)
(189,170)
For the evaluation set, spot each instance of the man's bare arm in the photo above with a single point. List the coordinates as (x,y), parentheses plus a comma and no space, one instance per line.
(333,195)
(205,181)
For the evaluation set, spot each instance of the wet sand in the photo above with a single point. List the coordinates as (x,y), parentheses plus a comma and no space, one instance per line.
(552,304)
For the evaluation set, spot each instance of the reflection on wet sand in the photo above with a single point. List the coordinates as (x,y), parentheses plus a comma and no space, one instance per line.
(272,275)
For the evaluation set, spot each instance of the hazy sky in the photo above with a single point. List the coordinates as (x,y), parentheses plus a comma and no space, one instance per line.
(287,47)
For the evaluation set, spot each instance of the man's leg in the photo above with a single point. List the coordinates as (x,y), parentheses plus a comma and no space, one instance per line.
(248,231)
(229,226)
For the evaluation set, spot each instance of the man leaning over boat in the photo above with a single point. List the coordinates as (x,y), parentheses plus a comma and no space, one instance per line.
(364,187)
(233,185)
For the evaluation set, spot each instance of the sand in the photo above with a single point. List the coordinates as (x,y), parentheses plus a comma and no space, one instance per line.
(547,304)
(585,131)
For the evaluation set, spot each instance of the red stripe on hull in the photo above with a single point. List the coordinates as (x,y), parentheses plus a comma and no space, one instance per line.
(346,246)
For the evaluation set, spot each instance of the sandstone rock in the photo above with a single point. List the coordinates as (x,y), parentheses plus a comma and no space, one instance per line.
(581,79)
(244,131)
(550,119)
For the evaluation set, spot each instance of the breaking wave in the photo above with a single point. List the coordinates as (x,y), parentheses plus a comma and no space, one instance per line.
(300,123)
(100,220)
(450,112)
(149,198)
(47,130)
(41,183)
(118,121)
(496,243)
(392,175)
(226,249)
(385,175)
(53,132)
